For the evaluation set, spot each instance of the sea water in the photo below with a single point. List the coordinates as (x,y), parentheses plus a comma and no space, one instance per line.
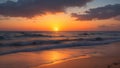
(38,48)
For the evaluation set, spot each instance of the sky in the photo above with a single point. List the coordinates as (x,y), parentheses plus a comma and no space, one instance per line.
(60,15)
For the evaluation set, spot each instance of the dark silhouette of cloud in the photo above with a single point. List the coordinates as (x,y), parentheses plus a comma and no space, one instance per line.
(2,1)
(30,8)
(110,25)
(106,12)
(115,27)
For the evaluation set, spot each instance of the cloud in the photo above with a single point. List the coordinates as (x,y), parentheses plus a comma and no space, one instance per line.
(30,8)
(4,18)
(110,27)
(100,13)
(2,1)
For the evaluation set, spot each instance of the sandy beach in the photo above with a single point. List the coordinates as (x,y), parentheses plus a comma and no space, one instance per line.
(106,56)
(94,62)
(59,33)
(110,59)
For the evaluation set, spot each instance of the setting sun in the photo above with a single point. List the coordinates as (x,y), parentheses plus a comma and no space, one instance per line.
(59,33)
(56,29)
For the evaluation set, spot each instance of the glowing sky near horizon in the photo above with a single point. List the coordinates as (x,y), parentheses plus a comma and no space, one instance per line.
(62,20)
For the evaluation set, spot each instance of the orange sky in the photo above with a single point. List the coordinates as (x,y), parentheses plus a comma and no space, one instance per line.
(49,21)
(59,21)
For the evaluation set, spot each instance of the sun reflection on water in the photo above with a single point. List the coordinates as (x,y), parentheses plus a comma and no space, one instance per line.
(54,56)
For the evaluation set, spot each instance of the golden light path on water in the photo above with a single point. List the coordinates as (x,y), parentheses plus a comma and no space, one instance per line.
(54,57)
(41,58)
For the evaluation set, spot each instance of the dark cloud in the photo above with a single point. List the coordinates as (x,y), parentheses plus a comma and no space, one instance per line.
(2,1)
(30,8)
(106,12)
(110,27)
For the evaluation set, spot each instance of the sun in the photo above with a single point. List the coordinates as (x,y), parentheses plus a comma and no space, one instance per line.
(56,29)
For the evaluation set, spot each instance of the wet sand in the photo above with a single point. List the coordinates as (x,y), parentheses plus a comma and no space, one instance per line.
(106,56)
(109,59)
(94,62)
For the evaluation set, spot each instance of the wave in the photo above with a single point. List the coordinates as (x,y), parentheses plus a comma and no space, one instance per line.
(35,42)
(21,35)
(39,42)
(33,35)
(56,46)
(2,38)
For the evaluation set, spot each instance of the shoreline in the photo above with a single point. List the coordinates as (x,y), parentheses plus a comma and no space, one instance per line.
(106,56)
(111,60)
(94,62)
(71,45)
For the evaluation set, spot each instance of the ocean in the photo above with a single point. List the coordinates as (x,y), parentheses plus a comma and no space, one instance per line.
(48,47)
(14,42)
